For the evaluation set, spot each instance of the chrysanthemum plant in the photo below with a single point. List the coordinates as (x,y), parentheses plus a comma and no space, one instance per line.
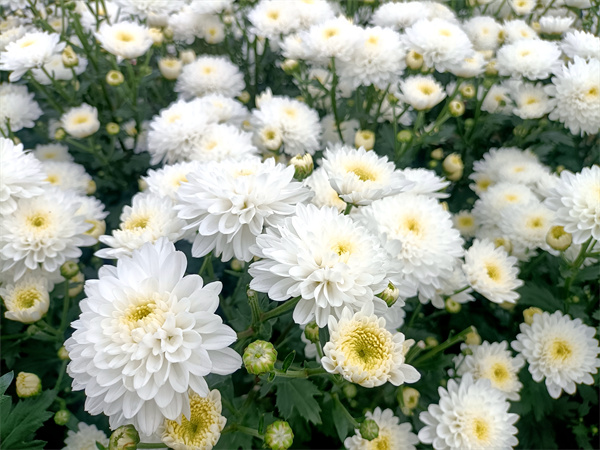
(306,224)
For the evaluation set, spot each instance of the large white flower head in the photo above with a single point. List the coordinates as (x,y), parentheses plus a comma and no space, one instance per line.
(68,175)
(334,38)
(484,32)
(312,12)
(272,19)
(125,40)
(495,362)
(18,109)
(425,182)
(529,58)
(576,88)
(57,69)
(147,334)
(496,100)
(28,300)
(229,203)
(491,272)
(517,30)
(21,175)
(555,25)
(11,31)
(580,43)
(34,49)
(220,141)
(531,100)
(221,109)
(469,416)
(398,15)
(422,92)
(165,182)
(392,434)
(561,350)
(361,177)
(81,121)
(210,75)
(85,437)
(363,351)
(527,227)
(149,218)
(325,195)
(446,287)
(511,164)
(52,152)
(325,258)
(576,202)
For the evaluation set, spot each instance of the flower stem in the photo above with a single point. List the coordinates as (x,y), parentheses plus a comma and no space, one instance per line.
(334,83)
(348,208)
(282,309)
(65,311)
(443,346)
(246,430)
(303,373)
(577,264)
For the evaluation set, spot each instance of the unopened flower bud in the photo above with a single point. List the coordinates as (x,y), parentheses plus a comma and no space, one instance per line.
(473,338)
(61,417)
(438,154)
(244,97)
(271,138)
(529,313)
(467,91)
(350,390)
(170,67)
(559,169)
(453,163)
(60,134)
(259,357)
(504,243)
(491,68)
(76,284)
(237,265)
(303,166)
(289,65)
(410,397)
(228,19)
(97,229)
(168,33)
(279,435)
(187,56)
(114,78)
(365,139)
(558,238)
(113,128)
(63,354)
(414,60)
(404,136)
(390,294)
(125,437)
(456,108)
(157,36)
(507,306)
(69,57)
(452,306)
(369,429)
(311,332)
(28,385)
(432,164)
(431,341)
(69,269)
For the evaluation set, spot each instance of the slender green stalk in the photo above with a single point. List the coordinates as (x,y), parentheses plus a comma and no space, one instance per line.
(577,264)
(65,311)
(348,208)
(246,430)
(443,346)
(332,95)
(282,309)
(303,373)
(414,315)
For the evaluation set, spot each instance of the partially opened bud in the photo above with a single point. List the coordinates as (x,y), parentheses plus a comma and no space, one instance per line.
(365,139)
(170,67)
(125,437)
(259,357)
(369,429)
(390,294)
(529,313)
(414,60)
(303,165)
(28,384)
(279,435)
(558,238)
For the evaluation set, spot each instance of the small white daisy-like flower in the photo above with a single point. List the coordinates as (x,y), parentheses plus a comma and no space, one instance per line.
(165,182)
(469,67)
(471,415)
(85,437)
(398,15)
(561,350)
(68,175)
(28,300)
(491,272)
(516,30)
(57,70)
(271,19)
(576,201)
(325,195)
(52,152)
(527,227)
(496,101)
(555,25)
(392,434)
(495,362)
(32,50)
(488,208)
(81,121)
(360,177)
(580,43)
(531,100)
(511,164)
(93,210)
(363,351)
(425,182)
(146,335)
(465,222)
(334,38)
(202,429)
(530,58)
(21,175)
(484,32)
(210,75)
(325,258)
(221,141)
(10,34)
(18,109)
(422,92)
(522,7)
(221,109)
(125,40)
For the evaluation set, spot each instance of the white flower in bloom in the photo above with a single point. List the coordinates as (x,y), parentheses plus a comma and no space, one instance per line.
(43,230)
(360,176)
(21,175)
(469,67)
(555,25)
(488,208)
(125,40)
(147,219)
(165,182)
(18,109)
(516,30)
(392,434)
(312,12)
(484,32)
(530,58)
(221,141)
(334,38)
(421,92)
(559,349)
(496,100)
(512,165)
(576,88)
(522,7)
(527,226)
(425,182)
(325,195)
(229,204)
(57,70)
(582,44)
(8,35)
(52,152)
(146,335)
(325,258)
(491,272)
(465,222)
(576,201)
(362,351)
(81,121)
(221,109)
(271,18)
(469,416)
(210,75)
(67,175)
(26,301)
(93,210)
(85,438)
(531,100)
(495,362)
(34,49)
(398,15)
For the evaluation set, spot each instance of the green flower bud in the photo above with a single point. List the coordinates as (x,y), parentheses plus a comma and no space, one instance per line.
(311,332)
(237,265)
(61,417)
(473,338)
(369,429)
(452,306)
(390,294)
(350,390)
(303,165)
(431,341)
(63,354)
(289,66)
(279,435)
(69,269)
(259,357)
(467,91)
(469,123)
(438,154)
(529,313)
(457,108)
(125,437)
(558,238)
(60,134)
(404,136)
(112,128)
(76,284)
(114,78)
(28,385)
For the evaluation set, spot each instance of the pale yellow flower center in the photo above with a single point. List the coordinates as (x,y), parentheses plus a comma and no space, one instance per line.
(493,271)
(27,298)
(363,173)
(38,221)
(559,351)
(480,429)
(367,346)
(343,249)
(535,222)
(445,32)
(137,221)
(465,221)
(330,32)
(80,119)
(499,374)
(124,36)
(196,432)
(273,15)
(382,442)
(52,179)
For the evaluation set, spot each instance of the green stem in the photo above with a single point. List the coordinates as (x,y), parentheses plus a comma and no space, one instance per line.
(242,429)
(13,336)
(65,311)
(414,315)
(443,346)
(151,445)
(61,374)
(282,309)
(334,83)
(304,373)
(577,264)
(348,208)
(254,308)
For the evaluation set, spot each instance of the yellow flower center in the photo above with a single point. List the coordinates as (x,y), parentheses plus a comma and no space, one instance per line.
(535,222)
(27,43)
(343,249)
(195,432)
(80,119)
(366,346)
(493,271)
(593,92)
(511,198)
(207,70)
(52,179)
(499,373)
(382,442)
(373,40)
(481,429)
(445,32)
(135,222)
(180,179)
(560,351)
(273,15)
(27,298)
(531,100)
(425,89)
(330,32)
(38,221)
(465,221)
(124,36)
(363,173)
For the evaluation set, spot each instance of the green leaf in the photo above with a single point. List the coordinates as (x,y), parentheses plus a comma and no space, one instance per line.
(340,421)
(19,425)
(289,359)
(589,273)
(299,395)
(596,314)
(5,381)
(581,435)
(535,295)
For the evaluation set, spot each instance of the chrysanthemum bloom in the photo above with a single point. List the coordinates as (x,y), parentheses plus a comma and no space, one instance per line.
(18,109)
(392,434)
(324,257)
(81,121)
(465,222)
(32,50)
(398,15)
(421,92)
(531,100)
(491,272)
(484,32)
(488,208)
(517,30)
(271,19)
(125,40)
(202,429)
(26,301)
(471,415)
(52,152)
(93,211)
(221,141)
(68,175)
(21,176)
(325,195)
(561,350)
(425,182)
(512,165)
(360,176)
(210,75)
(165,182)
(555,25)
(85,437)
(230,203)
(56,68)
(146,335)
(582,44)
(576,202)
(363,351)
(495,362)
(577,91)
(530,58)
(527,227)
(334,38)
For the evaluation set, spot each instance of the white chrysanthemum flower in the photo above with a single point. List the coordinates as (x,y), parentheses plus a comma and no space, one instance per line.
(426,182)
(93,210)
(422,92)
(52,152)
(469,67)
(555,25)
(530,58)
(488,208)
(271,18)
(325,258)
(221,109)
(187,24)
(298,124)
(576,203)
(496,100)
(81,121)
(312,12)
(334,38)
(67,175)
(331,136)
(559,349)
(146,335)
(201,430)
(495,362)
(18,109)
(527,227)
(582,44)
(220,141)
(394,316)
(325,195)
(210,75)
(229,203)
(92,14)
(85,438)
(469,416)
(125,40)
(465,222)
(32,50)
(511,165)
(165,182)
(147,219)
(28,300)
(399,15)
(531,100)
(522,7)
(212,7)
(57,70)
(21,175)
(44,230)
(392,434)
(491,272)
(360,177)
(576,88)
(362,351)
(516,30)
(439,41)
(8,35)
(484,32)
